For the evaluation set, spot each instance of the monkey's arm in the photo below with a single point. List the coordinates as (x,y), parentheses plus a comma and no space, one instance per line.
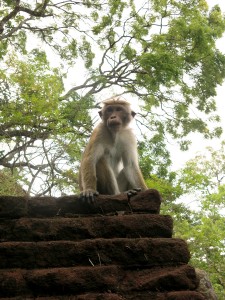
(131,170)
(88,179)
(134,177)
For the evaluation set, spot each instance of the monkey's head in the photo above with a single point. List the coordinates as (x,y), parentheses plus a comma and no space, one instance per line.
(116,113)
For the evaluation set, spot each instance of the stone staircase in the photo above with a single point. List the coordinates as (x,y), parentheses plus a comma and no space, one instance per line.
(115,249)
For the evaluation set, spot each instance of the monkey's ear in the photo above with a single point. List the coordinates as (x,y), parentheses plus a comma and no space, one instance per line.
(133,113)
(100,113)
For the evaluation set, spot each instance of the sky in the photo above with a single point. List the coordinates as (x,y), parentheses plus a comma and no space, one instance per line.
(198,143)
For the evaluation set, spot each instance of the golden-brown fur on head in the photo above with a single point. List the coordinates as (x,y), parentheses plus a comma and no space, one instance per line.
(115,100)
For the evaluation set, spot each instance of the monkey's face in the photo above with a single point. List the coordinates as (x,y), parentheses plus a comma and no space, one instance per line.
(116,116)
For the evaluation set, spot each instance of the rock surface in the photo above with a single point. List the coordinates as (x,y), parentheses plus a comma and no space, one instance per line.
(205,287)
(117,248)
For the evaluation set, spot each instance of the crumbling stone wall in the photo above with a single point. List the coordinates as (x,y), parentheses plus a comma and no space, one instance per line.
(60,248)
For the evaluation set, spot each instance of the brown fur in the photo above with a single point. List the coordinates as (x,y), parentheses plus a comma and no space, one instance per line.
(110,161)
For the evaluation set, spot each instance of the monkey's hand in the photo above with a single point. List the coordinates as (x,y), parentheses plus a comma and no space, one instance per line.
(133,192)
(88,196)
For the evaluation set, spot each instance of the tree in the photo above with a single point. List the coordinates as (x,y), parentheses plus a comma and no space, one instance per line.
(203,180)
(162,53)
(40,134)
(9,184)
(195,198)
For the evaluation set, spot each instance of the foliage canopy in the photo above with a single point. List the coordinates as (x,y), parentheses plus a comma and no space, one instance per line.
(59,59)
(195,197)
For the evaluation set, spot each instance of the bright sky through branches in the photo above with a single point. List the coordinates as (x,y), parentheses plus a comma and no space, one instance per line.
(198,143)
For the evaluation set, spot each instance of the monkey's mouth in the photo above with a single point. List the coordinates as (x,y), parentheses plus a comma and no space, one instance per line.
(115,127)
(114,123)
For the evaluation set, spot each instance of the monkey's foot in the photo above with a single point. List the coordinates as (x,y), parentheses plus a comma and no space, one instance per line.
(88,196)
(133,192)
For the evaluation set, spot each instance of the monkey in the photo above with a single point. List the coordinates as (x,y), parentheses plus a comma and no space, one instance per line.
(109,164)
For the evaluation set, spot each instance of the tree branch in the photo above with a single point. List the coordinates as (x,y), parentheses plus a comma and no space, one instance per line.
(37,12)
(24,133)
(11,15)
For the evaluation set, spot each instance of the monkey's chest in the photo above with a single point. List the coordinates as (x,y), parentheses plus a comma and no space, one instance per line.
(113,156)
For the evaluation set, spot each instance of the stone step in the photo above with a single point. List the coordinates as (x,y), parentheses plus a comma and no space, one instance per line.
(108,280)
(118,251)
(130,226)
(180,295)
(16,207)
(114,249)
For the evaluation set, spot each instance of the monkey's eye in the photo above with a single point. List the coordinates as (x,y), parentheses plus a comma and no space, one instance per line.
(109,109)
(119,109)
